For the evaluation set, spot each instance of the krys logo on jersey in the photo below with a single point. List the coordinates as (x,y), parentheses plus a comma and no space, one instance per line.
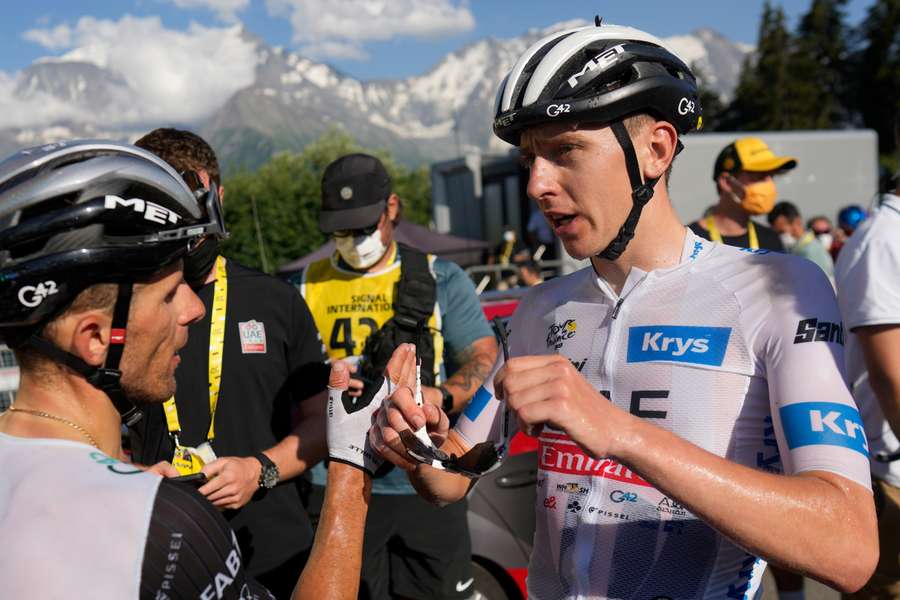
(678,343)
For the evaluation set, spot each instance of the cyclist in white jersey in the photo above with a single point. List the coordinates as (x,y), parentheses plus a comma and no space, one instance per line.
(689,398)
(93,301)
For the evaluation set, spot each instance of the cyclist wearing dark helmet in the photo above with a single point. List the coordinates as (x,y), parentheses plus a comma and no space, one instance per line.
(681,445)
(93,302)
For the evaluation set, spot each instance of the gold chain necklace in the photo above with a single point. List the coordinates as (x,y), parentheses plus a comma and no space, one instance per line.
(76,426)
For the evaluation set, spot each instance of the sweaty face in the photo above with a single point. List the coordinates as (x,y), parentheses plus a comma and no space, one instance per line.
(161,311)
(579,182)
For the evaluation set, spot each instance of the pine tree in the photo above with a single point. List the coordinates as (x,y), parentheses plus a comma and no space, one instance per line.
(817,69)
(760,94)
(876,71)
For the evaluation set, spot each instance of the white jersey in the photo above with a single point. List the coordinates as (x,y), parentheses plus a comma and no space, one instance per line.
(62,502)
(868,283)
(737,351)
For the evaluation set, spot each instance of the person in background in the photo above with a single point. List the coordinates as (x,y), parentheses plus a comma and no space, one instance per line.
(540,234)
(231,417)
(849,218)
(868,286)
(786,221)
(744,173)
(530,273)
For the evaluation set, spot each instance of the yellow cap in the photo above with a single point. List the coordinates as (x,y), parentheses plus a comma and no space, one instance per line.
(751,154)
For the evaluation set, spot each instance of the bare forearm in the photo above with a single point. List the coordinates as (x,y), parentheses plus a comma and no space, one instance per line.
(881,350)
(334,563)
(887,389)
(817,523)
(476,363)
(441,487)
(305,446)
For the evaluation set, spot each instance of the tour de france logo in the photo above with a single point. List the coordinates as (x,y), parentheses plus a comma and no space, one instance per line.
(558,333)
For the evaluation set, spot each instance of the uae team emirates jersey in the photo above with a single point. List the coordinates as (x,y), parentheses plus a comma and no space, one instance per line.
(739,352)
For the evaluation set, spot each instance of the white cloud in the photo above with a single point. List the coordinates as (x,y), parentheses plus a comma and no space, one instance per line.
(173,76)
(41,109)
(225,9)
(52,39)
(344,26)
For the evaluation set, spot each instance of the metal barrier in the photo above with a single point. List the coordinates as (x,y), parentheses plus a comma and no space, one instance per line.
(484,275)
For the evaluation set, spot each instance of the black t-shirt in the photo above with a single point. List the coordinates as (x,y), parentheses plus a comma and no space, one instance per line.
(191,551)
(263,379)
(768,239)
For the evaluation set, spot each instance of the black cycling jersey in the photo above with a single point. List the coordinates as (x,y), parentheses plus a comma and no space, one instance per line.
(191,552)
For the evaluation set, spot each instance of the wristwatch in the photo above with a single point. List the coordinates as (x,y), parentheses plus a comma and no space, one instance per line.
(268,476)
(446,399)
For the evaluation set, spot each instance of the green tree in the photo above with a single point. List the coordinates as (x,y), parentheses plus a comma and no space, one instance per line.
(759,99)
(817,69)
(876,66)
(272,213)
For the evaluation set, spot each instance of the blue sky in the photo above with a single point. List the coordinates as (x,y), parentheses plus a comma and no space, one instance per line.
(367,46)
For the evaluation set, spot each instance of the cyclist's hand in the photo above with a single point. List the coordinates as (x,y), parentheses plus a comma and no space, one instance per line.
(401,412)
(164,469)
(549,390)
(232,481)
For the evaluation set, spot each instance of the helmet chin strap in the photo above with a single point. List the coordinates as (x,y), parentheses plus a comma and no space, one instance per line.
(641,192)
(108,377)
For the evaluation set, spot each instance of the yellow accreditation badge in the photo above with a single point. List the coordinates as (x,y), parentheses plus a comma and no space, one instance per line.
(190,460)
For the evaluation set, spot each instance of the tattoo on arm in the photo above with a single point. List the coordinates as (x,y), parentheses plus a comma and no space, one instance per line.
(475,367)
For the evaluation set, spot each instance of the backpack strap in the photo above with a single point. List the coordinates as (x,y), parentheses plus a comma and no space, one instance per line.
(416,291)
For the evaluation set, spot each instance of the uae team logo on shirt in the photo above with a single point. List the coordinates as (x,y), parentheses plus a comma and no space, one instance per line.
(253,337)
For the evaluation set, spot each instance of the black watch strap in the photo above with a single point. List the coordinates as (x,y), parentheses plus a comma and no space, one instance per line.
(446,399)
(268,475)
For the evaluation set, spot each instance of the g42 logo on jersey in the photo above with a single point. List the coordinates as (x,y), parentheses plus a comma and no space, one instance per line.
(151,210)
(678,343)
(560,332)
(33,295)
(814,330)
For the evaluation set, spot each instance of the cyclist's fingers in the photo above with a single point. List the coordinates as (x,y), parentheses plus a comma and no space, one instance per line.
(393,452)
(404,404)
(339,378)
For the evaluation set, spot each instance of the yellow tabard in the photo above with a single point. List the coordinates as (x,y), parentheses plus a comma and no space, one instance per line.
(348,306)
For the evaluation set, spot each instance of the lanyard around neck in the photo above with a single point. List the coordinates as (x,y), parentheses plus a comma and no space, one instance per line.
(216,348)
(715,236)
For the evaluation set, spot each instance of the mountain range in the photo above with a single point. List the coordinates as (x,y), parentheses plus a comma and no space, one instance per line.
(293,100)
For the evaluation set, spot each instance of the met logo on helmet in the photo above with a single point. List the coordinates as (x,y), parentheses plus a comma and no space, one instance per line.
(151,210)
(678,343)
(601,61)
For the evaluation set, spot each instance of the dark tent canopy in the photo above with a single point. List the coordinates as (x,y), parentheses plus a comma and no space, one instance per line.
(462,251)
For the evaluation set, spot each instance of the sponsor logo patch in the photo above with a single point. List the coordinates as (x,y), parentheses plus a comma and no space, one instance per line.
(253,337)
(559,454)
(477,403)
(823,423)
(678,343)
(814,330)
(558,333)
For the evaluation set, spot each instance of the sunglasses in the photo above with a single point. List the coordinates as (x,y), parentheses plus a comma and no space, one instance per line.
(362,231)
(482,458)
(214,225)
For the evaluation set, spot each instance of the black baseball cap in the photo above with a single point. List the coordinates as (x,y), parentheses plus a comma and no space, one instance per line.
(355,189)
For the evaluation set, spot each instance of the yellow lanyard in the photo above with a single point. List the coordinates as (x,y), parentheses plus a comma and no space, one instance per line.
(715,236)
(216,347)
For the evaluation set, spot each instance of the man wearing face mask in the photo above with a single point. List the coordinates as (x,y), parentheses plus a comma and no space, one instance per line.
(369,296)
(786,221)
(253,360)
(743,173)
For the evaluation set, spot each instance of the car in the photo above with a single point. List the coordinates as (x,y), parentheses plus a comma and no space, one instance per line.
(501,505)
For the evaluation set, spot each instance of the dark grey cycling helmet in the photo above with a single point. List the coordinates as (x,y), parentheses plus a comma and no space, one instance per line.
(75,214)
(600,74)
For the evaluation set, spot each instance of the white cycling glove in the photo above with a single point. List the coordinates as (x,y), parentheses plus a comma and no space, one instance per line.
(349,420)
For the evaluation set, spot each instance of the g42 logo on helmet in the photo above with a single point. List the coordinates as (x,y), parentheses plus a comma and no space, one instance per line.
(151,210)
(685,106)
(33,295)
(555,110)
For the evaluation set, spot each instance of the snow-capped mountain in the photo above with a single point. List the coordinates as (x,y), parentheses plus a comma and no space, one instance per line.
(293,100)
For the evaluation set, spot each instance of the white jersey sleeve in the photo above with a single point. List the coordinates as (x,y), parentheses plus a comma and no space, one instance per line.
(817,424)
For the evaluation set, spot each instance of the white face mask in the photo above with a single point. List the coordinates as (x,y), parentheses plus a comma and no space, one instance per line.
(787,240)
(361,252)
(826,239)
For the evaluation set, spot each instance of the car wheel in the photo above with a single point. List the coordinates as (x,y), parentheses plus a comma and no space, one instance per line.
(487,587)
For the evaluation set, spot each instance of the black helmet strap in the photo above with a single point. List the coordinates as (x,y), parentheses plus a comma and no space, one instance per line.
(108,377)
(641,193)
